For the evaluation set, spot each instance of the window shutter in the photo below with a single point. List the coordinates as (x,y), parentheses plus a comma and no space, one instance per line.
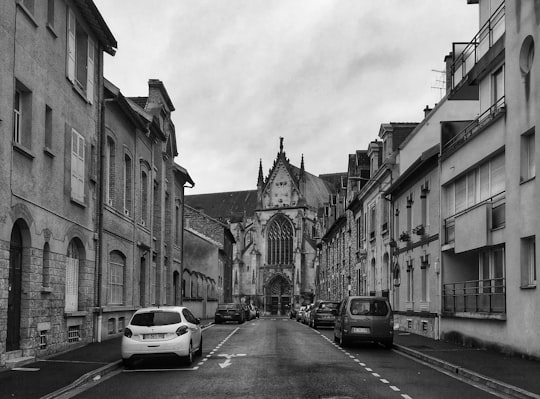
(72,283)
(77,166)
(71,46)
(90,71)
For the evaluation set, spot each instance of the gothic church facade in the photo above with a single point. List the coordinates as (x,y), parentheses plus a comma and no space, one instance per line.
(276,228)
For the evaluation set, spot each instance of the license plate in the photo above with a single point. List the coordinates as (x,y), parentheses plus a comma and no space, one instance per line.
(153,336)
(360,330)
(226,317)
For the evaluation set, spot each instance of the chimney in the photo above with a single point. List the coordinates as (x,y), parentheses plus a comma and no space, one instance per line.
(427,110)
(449,60)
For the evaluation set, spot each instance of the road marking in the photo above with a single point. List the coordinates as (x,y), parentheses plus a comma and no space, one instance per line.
(394,388)
(375,375)
(404,396)
(226,363)
(25,369)
(384,381)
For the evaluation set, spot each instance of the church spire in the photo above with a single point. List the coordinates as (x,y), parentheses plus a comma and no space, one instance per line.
(260,178)
(281,145)
(302,170)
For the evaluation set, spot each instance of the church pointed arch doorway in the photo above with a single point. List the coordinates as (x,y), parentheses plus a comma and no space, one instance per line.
(278,295)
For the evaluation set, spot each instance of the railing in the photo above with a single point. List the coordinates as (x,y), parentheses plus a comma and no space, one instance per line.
(468,54)
(466,134)
(477,296)
(498,216)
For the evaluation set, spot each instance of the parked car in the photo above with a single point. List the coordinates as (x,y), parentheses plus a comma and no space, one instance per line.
(292,313)
(253,312)
(230,312)
(321,314)
(364,318)
(300,313)
(162,331)
(305,315)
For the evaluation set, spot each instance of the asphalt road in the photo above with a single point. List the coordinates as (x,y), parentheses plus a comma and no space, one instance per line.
(281,358)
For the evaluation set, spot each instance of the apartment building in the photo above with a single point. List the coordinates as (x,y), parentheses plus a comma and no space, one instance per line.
(489,188)
(51,78)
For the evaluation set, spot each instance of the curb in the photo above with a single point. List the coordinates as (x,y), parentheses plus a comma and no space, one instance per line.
(510,390)
(86,378)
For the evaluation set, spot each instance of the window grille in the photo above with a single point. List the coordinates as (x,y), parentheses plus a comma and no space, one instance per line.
(74,334)
(43,339)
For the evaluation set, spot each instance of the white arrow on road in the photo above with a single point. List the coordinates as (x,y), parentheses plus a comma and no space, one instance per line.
(228,362)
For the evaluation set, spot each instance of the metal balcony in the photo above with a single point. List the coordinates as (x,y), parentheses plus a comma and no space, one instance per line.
(471,60)
(476,296)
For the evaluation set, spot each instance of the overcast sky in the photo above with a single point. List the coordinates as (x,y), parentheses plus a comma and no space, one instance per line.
(323,74)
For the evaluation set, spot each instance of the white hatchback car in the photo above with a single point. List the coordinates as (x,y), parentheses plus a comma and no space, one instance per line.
(162,331)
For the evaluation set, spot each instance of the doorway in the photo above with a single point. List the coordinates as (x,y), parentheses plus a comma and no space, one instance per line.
(14,290)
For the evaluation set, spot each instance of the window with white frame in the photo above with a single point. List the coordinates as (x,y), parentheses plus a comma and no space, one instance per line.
(77,166)
(22,115)
(117,266)
(72,278)
(527,159)
(528,262)
(497,85)
(17,116)
(476,186)
(81,54)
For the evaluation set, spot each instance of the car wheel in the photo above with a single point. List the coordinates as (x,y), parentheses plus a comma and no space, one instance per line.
(189,358)
(199,351)
(342,340)
(388,343)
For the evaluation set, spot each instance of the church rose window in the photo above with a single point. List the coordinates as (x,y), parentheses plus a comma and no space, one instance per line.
(280,241)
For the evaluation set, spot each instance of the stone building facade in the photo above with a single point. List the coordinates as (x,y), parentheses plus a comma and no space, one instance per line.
(50,123)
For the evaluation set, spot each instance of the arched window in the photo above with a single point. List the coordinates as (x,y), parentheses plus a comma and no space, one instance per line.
(280,241)
(72,277)
(46,277)
(117,266)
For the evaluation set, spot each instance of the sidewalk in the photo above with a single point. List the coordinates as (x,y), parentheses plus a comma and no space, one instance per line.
(510,375)
(47,379)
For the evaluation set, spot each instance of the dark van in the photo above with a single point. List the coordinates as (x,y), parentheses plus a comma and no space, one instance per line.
(364,318)
(230,312)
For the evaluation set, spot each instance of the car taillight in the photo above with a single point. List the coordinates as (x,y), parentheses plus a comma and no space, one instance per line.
(127,332)
(181,330)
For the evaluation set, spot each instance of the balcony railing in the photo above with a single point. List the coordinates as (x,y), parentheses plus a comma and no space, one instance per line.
(497,214)
(466,55)
(477,296)
(498,108)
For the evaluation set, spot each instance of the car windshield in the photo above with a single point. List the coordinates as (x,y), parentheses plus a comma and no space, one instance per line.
(328,306)
(368,307)
(157,318)
(227,306)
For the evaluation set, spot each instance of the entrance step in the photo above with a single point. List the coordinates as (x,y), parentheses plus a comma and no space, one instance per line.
(16,359)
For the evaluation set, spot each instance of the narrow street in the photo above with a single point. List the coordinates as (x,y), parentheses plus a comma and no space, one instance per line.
(281,358)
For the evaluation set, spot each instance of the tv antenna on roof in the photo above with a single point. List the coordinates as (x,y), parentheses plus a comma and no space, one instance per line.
(440,83)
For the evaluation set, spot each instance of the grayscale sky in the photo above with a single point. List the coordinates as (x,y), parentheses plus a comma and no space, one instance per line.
(323,74)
